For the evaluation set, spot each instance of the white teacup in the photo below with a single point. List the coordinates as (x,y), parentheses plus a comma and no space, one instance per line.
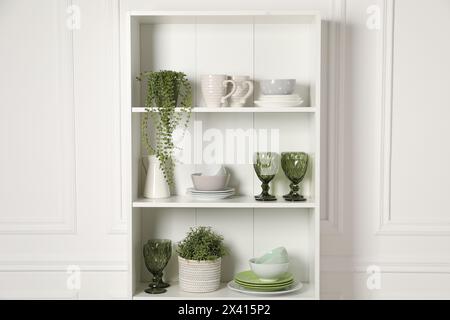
(214,89)
(244,89)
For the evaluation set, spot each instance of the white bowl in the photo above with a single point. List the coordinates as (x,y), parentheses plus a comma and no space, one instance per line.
(209,183)
(269,271)
(278,86)
(213,170)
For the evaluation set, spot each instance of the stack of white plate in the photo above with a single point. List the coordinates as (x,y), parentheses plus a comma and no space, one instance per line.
(210,195)
(282,100)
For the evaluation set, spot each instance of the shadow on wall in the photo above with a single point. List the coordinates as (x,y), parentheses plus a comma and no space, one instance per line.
(337,280)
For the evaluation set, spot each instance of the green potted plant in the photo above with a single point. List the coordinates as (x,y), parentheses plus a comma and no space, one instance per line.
(168,104)
(199,260)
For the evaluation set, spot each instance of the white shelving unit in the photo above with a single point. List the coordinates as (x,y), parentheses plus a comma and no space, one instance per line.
(259,44)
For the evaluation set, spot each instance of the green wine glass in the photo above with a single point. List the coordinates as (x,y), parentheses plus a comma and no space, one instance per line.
(266,167)
(294,165)
(157,253)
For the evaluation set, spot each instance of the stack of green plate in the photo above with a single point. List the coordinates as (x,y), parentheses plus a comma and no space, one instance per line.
(249,280)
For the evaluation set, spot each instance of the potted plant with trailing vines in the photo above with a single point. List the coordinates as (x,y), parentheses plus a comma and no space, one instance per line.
(199,260)
(168,104)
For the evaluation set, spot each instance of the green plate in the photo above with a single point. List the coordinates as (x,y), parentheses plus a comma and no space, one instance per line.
(265,283)
(266,289)
(263,286)
(248,277)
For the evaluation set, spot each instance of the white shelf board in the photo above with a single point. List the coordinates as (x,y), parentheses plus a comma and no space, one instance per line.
(175,293)
(243,110)
(233,202)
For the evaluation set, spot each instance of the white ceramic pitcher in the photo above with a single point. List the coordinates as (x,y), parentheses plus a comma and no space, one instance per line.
(156,186)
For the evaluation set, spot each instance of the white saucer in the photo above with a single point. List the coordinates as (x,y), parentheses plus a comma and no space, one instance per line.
(212,197)
(277,97)
(195,191)
(271,104)
(218,197)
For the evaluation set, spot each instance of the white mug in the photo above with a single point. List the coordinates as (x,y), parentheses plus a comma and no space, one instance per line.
(214,89)
(244,89)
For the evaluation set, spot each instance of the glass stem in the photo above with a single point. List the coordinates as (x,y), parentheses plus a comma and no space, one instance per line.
(294,188)
(157,279)
(265,188)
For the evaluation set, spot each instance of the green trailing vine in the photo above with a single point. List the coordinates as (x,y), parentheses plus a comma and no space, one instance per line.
(202,244)
(168,105)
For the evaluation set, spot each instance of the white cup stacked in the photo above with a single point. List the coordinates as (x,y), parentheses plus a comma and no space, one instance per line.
(214,89)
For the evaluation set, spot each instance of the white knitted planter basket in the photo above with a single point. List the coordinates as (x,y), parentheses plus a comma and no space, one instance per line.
(199,276)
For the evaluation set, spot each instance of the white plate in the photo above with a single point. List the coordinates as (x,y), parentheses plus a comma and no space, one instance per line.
(212,197)
(288,97)
(280,100)
(271,104)
(209,194)
(235,287)
(194,191)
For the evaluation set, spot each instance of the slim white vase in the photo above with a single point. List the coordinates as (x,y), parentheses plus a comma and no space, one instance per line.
(156,186)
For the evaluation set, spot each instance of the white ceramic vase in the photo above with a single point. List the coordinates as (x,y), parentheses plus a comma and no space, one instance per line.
(156,186)
(199,276)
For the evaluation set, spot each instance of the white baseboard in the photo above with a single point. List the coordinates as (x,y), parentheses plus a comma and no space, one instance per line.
(57,266)
(57,285)
(346,277)
(341,263)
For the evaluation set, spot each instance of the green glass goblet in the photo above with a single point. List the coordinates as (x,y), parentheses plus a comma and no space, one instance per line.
(294,165)
(266,167)
(157,253)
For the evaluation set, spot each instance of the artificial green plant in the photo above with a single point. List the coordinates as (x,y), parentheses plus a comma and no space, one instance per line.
(168,104)
(201,243)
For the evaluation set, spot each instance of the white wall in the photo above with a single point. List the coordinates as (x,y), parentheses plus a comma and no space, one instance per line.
(60,142)
(395,214)
(60,135)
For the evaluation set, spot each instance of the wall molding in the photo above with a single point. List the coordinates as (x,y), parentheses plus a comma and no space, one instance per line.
(119,221)
(333,224)
(352,264)
(387,224)
(66,222)
(66,225)
(56,266)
